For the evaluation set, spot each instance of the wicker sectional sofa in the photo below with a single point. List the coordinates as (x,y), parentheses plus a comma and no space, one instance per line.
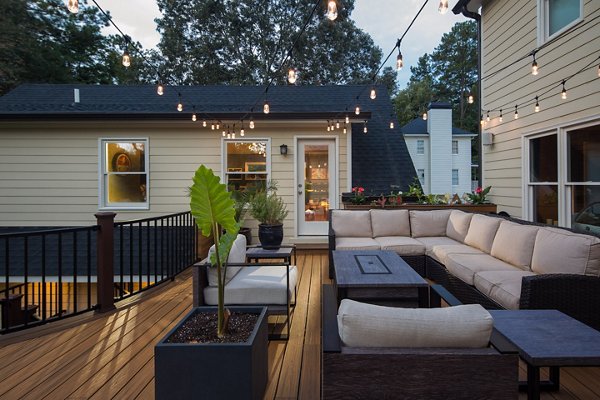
(484,259)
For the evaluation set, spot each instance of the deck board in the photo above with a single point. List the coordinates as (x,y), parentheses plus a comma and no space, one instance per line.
(105,356)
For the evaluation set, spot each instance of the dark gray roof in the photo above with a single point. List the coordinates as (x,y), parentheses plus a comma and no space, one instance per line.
(418,126)
(379,158)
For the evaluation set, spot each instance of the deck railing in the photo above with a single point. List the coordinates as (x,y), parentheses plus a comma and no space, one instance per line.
(51,274)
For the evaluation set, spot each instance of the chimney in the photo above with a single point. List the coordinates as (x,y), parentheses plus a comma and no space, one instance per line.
(439,126)
(76,96)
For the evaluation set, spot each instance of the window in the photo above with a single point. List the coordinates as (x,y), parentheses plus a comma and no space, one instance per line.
(455,147)
(246,164)
(420,146)
(124,174)
(543,179)
(454,177)
(555,16)
(421,173)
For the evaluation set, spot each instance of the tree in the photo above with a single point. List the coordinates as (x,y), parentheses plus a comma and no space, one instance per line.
(244,42)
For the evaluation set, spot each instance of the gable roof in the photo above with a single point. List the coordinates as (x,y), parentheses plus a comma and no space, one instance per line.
(379,158)
(418,126)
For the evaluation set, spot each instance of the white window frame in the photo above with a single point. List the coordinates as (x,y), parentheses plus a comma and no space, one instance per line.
(420,146)
(543,21)
(421,175)
(224,142)
(454,147)
(103,174)
(455,171)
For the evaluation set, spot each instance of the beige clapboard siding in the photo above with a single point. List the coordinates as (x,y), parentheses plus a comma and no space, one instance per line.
(510,32)
(49,172)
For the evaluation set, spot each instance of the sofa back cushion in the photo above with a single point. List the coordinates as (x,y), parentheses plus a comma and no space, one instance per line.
(458,225)
(347,223)
(390,223)
(514,244)
(482,231)
(559,251)
(236,255)
(367,325)
(429,223)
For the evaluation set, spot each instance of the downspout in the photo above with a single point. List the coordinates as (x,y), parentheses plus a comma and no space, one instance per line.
(461,7)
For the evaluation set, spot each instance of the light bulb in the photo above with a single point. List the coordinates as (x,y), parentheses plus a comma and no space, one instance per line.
(345,130)
(332,12)
(242,132)
(500,118)
(357,110)
(204,123)
(399,62)
(126,59)
(218,125)
(598,70)
(224,133)
(391,124)
(251,123)
(212,127)
(481,121)
(471,100)
(160,89)
(194,118)
(425,116)
(537,105)
(563,94)
(73,6)
(266,108)
(365,130)
(443,7)
(337,125)
(233,135)
(487,118)
(179,107)
(328,128)
(228,135)
(347,120)
(292,76)
(534,68)
(373,94)
(516,112)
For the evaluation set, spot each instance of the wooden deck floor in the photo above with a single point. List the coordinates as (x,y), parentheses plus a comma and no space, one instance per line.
(111,355)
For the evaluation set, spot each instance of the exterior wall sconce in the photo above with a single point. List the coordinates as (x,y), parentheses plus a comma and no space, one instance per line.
(283,150)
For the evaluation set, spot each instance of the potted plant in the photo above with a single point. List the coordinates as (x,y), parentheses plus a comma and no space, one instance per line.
(270,211)
(478,196)
(219,363)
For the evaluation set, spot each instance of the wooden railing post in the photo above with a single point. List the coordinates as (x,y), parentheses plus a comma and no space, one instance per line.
(105,257)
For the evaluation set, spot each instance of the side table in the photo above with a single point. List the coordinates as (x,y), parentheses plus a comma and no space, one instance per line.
(284,252)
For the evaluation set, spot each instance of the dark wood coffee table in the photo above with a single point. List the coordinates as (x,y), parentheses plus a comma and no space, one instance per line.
(545,338)
(377,272)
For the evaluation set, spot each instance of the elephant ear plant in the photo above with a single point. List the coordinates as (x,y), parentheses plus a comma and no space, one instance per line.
(213,209)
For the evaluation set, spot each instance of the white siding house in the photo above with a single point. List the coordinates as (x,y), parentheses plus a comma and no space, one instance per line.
(441,154)
(545,165)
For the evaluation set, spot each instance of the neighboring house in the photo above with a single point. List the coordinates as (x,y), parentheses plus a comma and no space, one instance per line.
(441,153)
(545,165)
(68,151)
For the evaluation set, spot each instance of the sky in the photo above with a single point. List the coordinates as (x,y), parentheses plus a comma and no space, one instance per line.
(384,20)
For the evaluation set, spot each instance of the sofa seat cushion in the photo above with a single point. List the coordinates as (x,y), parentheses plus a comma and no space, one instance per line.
(256,285)
(236,255)
(347,223)
(429,223)
(514,243)
(404,246)
(465,266)
(482,231)
(441,252)
(356,243)
(504,287)
(390,223)
(557,251)
(367,325)
(458,225)
(431,242)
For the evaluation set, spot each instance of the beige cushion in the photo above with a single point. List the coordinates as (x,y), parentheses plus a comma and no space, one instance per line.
(559,251)
(431,242)
(356,243)
(440,253)
(514,243)
(504,287)
(236,255)
(348,223)
(458,225)
(367,325)
(482,231)
(429,223)
(465,266)
(390,223)
(256,285)
(404,246)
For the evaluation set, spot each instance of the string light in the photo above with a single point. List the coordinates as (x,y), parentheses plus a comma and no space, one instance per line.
(470,99)
(516,112)
(332,126)
(73,6)
(500,118)
(292,76)
(365,130)
(391,124)
(328,127)
(194,118)
(487,118)
(537,105)
(345,129)
(204,123)
(180,104)
(337,124)
(266,108)
(425,116)
(242,131)
(212,126)
(534,66)
(373,94)
(126,59)
(160,89)
(563,94)
(357,110)
(443,7)
(347,120)
(481,120)
(251,123)
(598,70)
(218,125)
(332,12)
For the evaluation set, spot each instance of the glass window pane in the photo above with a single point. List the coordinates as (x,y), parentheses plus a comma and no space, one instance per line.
(316,182)
(561,13)
(125,157)
(246,157)
(545,204)
(584,155)
(455,147)
(455,177)
(129,188)
(543,158)
(585,213)
(420,147)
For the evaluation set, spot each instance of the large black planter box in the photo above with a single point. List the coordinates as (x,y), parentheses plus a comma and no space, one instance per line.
(215,370)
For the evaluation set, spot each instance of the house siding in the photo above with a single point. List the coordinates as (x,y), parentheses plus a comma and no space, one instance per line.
(509,31)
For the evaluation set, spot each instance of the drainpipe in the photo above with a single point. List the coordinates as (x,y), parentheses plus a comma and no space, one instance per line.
(461,7)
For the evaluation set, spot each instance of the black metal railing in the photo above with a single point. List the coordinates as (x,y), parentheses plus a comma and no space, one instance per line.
(51,274)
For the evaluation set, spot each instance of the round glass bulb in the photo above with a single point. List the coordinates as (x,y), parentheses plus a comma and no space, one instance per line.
(73,6)
(179,107)
(160,89)
(126,59)
(373,94)
(357,110)
(443,7)
(194,118)
(266,108)
(332,12)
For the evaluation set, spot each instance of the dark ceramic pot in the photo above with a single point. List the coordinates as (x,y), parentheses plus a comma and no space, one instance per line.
(270,236)
(248,233)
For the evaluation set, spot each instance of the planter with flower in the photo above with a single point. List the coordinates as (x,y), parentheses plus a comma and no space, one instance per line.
(478,195)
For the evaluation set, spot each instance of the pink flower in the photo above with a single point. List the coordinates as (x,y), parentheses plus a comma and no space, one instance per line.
(478,190)
(360,190)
